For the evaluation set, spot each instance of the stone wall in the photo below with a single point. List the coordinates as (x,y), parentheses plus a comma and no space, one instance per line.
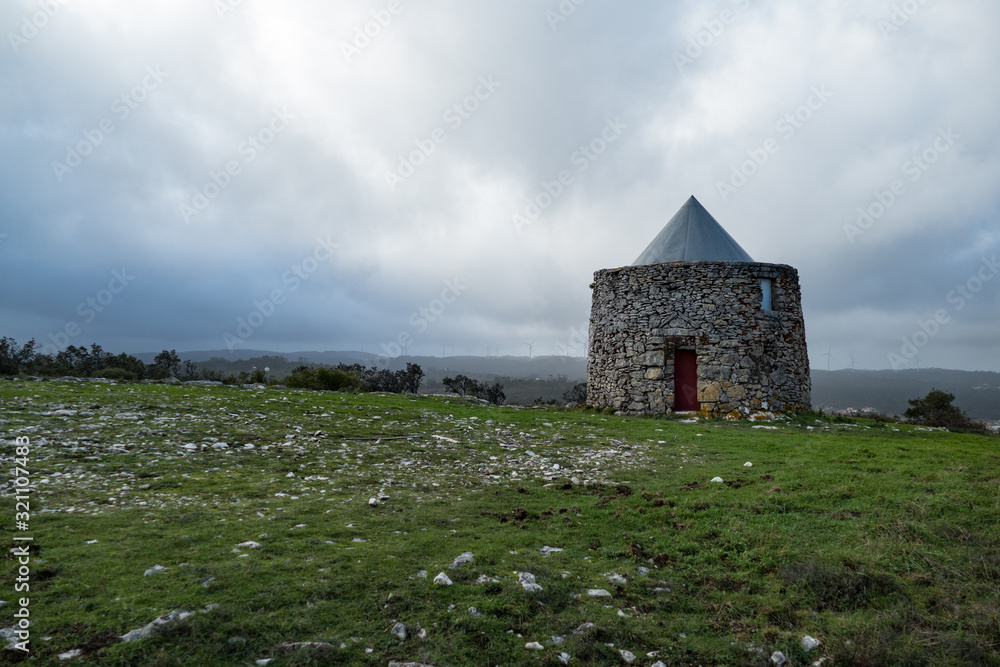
(749,359)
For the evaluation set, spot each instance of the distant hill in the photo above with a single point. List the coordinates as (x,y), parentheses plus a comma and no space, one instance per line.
(976,392)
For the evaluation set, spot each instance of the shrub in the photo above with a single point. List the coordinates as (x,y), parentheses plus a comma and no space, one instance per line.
(466,386)
(119,374)
(936,409)
(323,378)
(578,394)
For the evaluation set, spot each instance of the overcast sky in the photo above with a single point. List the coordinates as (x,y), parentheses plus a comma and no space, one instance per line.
(311,175)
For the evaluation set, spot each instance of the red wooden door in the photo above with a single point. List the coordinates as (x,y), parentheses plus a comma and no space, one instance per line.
(686,381)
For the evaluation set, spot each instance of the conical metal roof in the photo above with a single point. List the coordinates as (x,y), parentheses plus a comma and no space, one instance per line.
(692,235)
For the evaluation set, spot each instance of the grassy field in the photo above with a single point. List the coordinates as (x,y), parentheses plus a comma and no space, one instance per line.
(881,541)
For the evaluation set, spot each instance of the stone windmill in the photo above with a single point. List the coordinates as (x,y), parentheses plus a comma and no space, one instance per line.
(695,325)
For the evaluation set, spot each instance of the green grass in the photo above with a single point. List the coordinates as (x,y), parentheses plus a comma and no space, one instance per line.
(879,540)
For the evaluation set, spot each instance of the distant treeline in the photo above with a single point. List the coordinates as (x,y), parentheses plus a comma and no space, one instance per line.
(76,361)
(96,363)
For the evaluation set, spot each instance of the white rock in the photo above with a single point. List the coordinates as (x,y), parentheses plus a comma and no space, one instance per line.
(809,643)
(69,655)
(399,630)
(716,479)
(91,541)
(483,579)
(584,627)
(155,625)
(778,658)
(249,544)
(550,550)
(527,581)
(598,593)
(747,465)
(442,580)
(474,612)
(422,635)
(264,661)
(564,657)
(534,646)
(422,574)
(627,656)
(373,502)
(617,579)
(153,570)
(461,559)
(658,663)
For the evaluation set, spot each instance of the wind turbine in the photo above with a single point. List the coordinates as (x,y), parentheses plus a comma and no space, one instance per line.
(530,348)
(852,362)
(828,356)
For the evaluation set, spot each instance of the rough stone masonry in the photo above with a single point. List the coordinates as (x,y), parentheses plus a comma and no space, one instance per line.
(749,358)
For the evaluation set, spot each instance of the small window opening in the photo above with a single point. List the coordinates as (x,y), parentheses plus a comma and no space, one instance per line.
(765,293)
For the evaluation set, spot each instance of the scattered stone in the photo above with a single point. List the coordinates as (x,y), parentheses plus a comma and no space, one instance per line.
(250,544)
(156,625)
(716,479)
(527,581)
(584,627)
(550,550)
(422,574)
(658,663)
(475,612)
(289,647)
(627,656)
(442,580)
(747,465)
(778,658)
(809,643)
(483,579)
(598,593)
(462,559)
(69,655)
(153,570)
(643,571)
(534,646)
(264,661)
(617,579)
(399,630)
(422,635)
(564,657)
(91,542)
(396,663)
(373,502)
